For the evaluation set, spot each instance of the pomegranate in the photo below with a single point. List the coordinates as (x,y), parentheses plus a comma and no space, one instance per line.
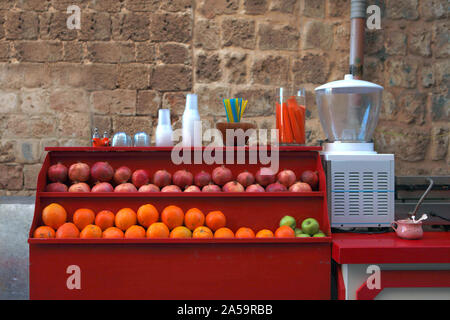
(162,178)
(139,178)
(276,187)
(192,188)
(221,175)
(149,188)
(255,188)
(311,178)
(233,186)
(300,187)
(202,179)
(102,171)
(171,188)
(211,188)
(287,178)
(246,179)
(265,176)
(80,187)
(79,172)
(122,175)
(102,187)
(56,187)
(125,187)
(183,178)
(57,172)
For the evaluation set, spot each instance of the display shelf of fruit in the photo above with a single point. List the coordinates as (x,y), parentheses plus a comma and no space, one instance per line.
(147,223)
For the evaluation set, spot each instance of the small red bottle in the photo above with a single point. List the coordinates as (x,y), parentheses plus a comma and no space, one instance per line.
(96,141)
(105,140)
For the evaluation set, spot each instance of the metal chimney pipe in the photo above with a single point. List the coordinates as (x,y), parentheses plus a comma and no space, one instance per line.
(358,22)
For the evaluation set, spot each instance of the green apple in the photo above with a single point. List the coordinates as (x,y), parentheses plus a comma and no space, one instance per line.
(288,221)
(310,226)
(298,231)
(302,235)
(319,234)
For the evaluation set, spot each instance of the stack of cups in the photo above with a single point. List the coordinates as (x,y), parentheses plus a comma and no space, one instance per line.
(163,134)
(192,135)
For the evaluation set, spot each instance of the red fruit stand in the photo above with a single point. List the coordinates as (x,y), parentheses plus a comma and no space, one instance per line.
(227,269)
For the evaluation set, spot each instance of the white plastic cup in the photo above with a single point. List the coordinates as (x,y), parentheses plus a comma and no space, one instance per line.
(163,134)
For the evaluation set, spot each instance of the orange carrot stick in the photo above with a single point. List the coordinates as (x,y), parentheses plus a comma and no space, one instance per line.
(300,116)
(286,124)
(278,120)
(292,107)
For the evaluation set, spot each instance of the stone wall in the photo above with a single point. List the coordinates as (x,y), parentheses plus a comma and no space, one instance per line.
(132,57)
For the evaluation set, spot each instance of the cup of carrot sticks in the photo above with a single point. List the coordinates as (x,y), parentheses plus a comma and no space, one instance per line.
(290,115)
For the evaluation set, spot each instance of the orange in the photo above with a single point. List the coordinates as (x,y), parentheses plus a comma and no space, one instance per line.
(104,219)
(91,231)
(215,220)
(181,232)
(125,218)
(44,232)
(82,217)
(135,232)
(244,232)
(223,233)
(68,230)
(194,218)
(54,215)
(202,232)
(147,214)
(172,216)
(112,233)
(264,233)
(158,230)
(285,232)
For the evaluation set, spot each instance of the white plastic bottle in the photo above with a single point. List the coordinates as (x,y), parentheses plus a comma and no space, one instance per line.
(163,134)
(191,123)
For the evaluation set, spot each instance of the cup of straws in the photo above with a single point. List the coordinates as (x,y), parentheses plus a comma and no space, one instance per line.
(234,110)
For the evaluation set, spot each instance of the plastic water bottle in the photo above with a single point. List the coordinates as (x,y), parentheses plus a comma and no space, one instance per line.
(192,136)
(163,134)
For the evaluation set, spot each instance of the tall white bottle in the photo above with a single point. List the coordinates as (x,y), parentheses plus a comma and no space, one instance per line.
(192,129)
(163,134)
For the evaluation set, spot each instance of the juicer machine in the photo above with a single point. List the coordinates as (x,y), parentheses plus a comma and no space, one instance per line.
(360,181)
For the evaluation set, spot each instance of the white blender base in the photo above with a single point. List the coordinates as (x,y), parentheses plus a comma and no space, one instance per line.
(360,185)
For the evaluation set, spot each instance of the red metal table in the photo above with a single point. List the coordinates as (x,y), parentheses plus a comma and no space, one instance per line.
(386,248)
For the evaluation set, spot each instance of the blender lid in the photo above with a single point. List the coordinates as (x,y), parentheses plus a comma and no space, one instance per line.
(350,85)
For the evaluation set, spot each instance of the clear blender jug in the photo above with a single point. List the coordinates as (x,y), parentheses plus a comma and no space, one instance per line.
(349,109)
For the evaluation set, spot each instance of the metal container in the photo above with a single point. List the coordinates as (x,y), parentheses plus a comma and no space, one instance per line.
(349,109)
(141,139)
(121,139)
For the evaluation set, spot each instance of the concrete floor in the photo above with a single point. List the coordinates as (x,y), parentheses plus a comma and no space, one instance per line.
(16,215)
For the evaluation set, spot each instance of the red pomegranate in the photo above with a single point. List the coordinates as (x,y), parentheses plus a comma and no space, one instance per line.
(287,178)
(56,187)
(300,187)
(125,187)
(183,178)
(102,187)
(265,176)
(79,172)
(102,171)
(80,187)
(149,188)
(171,188)
(202,179)
(311,178)
(246,179)
(192,188)
(255,188)
(276,187)
(233,186)
(122,175)
(221,175)
(57,172)
(139,178)
(162,178)
(211,188)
